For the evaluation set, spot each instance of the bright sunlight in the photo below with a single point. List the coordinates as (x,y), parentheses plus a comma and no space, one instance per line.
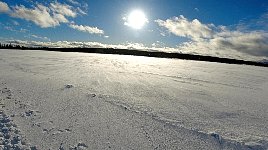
(136,19)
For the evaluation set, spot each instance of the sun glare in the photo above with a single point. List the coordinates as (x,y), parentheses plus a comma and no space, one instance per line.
(136,19)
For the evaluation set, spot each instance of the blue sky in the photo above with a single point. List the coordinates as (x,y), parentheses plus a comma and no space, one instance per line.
(224,28)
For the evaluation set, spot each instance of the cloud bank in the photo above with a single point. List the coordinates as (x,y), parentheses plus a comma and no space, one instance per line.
(216,40)
(70,44)
(128,45)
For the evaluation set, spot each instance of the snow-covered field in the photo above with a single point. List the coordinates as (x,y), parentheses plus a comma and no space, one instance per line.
(54,100)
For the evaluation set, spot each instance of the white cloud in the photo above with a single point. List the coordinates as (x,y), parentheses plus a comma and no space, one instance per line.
(60,18)
(4,7)
(158,44)
(73,2)
(63,9)
(44,16)
(40,37)
(51,16)
(9,28)
(15,22)
(181,26)
(220,41)
(253,43)
(39,15)
(21,30)
(88,29)
(260,23)
(81,11)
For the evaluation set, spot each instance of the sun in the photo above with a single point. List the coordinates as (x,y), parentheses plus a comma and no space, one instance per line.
(136,19)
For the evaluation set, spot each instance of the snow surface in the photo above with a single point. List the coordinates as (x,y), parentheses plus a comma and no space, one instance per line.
(94,101)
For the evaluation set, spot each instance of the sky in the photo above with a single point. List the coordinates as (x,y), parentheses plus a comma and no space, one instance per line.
(223,28)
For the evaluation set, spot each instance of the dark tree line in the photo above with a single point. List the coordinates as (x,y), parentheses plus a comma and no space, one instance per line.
(16,46)
(11,46)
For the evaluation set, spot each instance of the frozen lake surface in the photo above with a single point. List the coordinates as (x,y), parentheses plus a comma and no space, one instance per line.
(95,101)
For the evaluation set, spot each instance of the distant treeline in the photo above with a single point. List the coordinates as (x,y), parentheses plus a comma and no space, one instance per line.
(10,46)
(15,46)
(139,53)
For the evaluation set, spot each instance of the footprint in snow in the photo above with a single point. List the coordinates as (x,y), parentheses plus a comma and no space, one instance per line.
(79,146)
(7,92)
(92,95)
(30,113)
(10,137)
(68,130)
(69,86)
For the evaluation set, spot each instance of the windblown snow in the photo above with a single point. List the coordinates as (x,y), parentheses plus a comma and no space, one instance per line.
(55,100)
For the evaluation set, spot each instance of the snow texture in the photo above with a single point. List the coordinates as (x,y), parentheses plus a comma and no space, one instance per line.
(55,100)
